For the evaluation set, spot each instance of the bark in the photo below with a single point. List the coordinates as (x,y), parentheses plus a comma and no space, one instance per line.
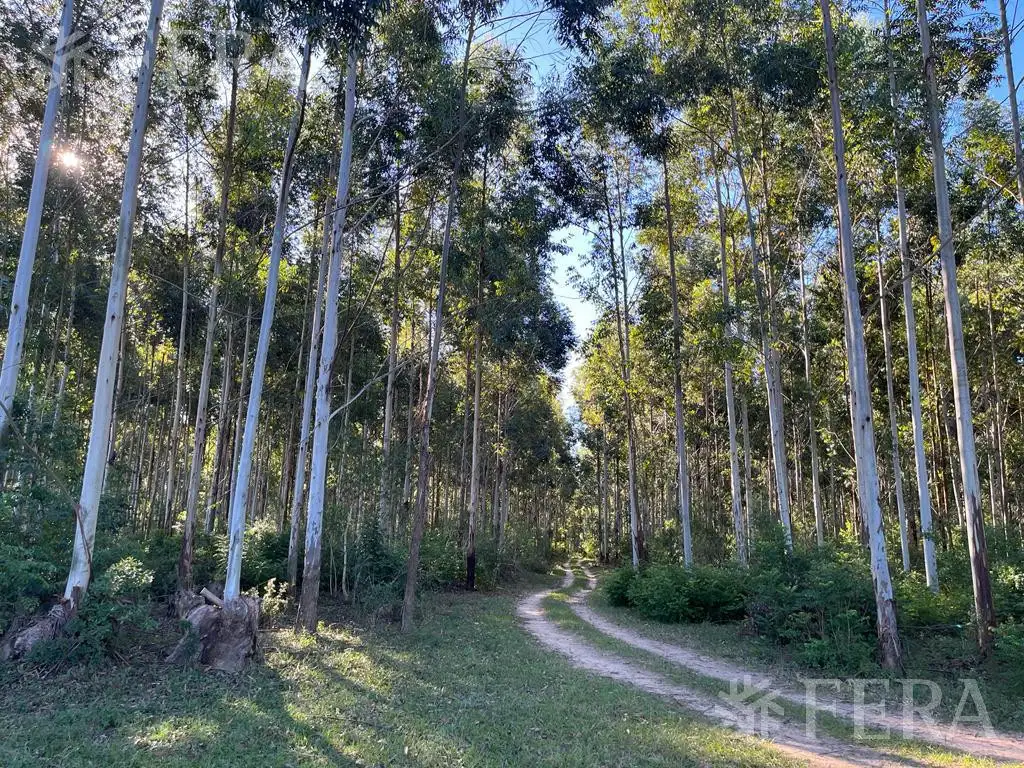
(916,417)
(199,447)
(18,316)
(735,491)
(682,470)
(221,446)
(897,468)
(983,605)
(179,381)
(419,520)
(313,360)
(860,388)
(819,515)
(769,353)
(240,498)
(321,425)
(103,395)
(386,472)
(474,462)
(1011,90)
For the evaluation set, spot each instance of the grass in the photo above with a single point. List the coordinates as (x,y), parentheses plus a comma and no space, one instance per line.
(468,688)
(731,642)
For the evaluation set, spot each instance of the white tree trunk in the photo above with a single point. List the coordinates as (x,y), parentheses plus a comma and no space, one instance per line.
(860,387)
(103,395)
(894,430)
(739,529)
(420,516)
(27,257)
(312,362)
(984,610)
(240,497)
(386,470)
(321,423)
(916,417)
(682,470)
(819,517)
(202,405)
(770,355)
(179,381)
(1011,91)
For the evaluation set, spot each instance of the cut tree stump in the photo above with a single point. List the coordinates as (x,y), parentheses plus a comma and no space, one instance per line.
(21,639)
(222,636)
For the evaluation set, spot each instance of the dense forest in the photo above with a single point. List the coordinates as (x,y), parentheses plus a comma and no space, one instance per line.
(286,322)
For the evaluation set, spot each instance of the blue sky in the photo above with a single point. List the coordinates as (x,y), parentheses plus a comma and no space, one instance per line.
(536,40)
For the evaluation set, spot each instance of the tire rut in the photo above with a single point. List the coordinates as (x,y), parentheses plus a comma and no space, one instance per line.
(785,737)
(1000,747)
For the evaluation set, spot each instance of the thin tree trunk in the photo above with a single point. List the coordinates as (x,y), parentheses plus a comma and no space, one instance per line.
(419,520)
(307,614)
(30,239)
(313,360)
(221,465)
(682,470)
(474,462)
(770,355)
(983,606)
(386,473)
(239,500)
(199,446)
(894,430)
(1011,91)
(103,396)
(739,530)
(860,388)
(917,419)
(179,380)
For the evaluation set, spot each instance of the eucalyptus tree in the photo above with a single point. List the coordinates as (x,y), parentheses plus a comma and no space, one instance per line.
(87,509)
(18,314)
(307,20)
(983,604)
(860,388)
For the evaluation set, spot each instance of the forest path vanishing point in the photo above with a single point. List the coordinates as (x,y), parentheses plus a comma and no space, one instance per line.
(788,737)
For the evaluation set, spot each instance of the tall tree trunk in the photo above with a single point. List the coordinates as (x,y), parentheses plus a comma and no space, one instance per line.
(1011,92)
(683,472)
(103,396)
(18,316)
(199,446)
(240,498)
(426,411)
(474,462)
(769,353)
(983,606)
(179,379)
(739,530)
(819,514)
(312,362)
(894,430)
(221,449)
(860,387)
(307,614)
(386,470)
(916,417)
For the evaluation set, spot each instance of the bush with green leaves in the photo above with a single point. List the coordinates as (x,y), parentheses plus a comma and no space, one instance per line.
(113,620)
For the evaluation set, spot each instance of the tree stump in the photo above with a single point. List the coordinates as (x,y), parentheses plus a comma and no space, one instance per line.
(21,639)
(222,637)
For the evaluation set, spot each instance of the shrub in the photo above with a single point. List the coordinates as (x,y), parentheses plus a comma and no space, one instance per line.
(25,581)
(112,620)
(616,586)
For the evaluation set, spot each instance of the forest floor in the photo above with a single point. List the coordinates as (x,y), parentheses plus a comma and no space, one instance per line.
(469,688)
(733,692)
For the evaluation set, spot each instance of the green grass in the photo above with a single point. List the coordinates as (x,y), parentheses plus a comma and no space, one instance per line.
(469,688)
(731,642)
